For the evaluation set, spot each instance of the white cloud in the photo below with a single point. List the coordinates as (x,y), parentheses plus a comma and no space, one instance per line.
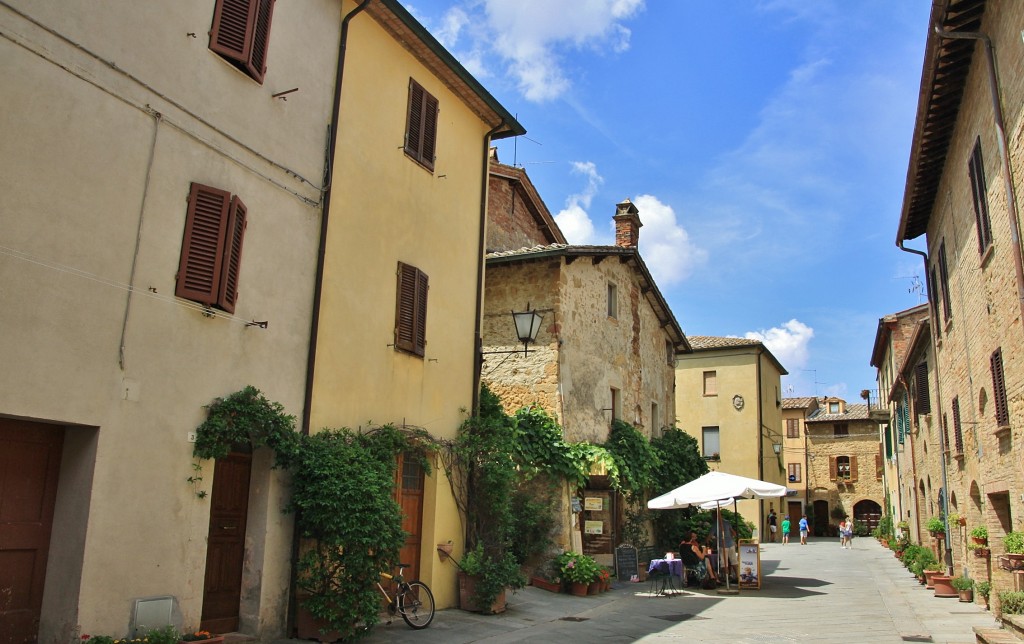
(574,220)
(531,37)
(665,245)
(788,343)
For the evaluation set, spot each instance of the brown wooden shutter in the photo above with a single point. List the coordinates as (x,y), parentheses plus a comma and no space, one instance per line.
(232,263)
(853,469)
(958,436)
(411,310)
(923,400)
(421,313)
(999,389)
(200,266)
(241,33)
(421,126)
(879,463)
(833,469)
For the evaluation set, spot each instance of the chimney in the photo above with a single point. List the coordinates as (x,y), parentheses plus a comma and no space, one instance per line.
(627,224)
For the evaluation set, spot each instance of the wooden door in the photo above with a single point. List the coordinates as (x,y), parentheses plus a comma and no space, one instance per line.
(30,455)
(225,553)
(409,494)
(795,512)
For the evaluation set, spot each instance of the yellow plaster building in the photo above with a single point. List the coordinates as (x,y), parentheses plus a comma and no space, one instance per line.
(399,307)
(728,398)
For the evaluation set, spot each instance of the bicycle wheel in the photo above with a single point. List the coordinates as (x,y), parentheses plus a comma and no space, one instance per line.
(416,604)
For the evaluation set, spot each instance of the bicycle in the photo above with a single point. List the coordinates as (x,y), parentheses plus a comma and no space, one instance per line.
(413,600)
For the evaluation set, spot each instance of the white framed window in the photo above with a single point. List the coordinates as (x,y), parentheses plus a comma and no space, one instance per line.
(613,301)
(710,446)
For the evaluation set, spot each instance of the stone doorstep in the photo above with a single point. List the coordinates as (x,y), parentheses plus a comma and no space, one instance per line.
(994,636)
(1014,624)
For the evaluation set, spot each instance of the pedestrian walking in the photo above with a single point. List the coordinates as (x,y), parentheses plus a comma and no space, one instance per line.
(786,525)
(846,532)
(772,527)
(803,531)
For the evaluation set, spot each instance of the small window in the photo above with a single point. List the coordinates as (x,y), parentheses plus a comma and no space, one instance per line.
(211,251)
(976,170)
(840,429)
(794,472)
(655,418)
(616,404)
(710,383)
(711,446)
(792,428)
(613,301)
(833,407)
(999,389)
(670,351)
(411,310)
(947,308)
(421,126)
(240,34)
(958,434)
(922,401)
(843,468)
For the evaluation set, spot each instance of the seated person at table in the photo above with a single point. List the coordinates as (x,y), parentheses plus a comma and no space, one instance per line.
(694,559)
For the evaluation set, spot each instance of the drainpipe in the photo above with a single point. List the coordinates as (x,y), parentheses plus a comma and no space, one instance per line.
(307,404)
(318,284)
(478,358)
(1011,197)
(948,558)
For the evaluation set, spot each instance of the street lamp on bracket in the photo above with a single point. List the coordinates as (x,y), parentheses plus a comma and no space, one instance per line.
(527,325)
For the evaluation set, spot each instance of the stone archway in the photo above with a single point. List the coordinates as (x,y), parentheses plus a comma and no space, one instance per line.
(867,512)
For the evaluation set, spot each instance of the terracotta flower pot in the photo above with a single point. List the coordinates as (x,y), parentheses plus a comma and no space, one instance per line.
(966,595)
(943,586)
(578,588)
(594,588)
(553,586)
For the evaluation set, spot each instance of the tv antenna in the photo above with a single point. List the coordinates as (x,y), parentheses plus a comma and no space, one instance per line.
(916,286)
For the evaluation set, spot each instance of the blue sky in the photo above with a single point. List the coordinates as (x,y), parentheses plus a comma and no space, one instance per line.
(765,143)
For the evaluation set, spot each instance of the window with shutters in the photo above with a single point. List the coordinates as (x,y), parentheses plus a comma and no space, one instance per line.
(976,170)
(241,33)
(933,299)
(792,428)
(843,468)
(999,390)
(421,126)
(411,310)
(794,472)
(211,250)
(710,442)
(840,429)
(922,401)
(879,465)
(947,308)
(958,434)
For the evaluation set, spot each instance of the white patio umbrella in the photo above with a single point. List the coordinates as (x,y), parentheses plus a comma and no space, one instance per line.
(716,489)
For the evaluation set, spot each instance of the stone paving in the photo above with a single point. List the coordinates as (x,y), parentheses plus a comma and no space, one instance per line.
(813,593)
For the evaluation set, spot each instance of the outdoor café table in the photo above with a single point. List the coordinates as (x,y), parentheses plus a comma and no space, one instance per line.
(675,568)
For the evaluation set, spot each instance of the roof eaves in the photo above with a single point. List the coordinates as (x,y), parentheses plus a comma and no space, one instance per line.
(447,67)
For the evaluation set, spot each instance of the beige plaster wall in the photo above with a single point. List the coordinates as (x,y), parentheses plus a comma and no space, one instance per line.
(106,146)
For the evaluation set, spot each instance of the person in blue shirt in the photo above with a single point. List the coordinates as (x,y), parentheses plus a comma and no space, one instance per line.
(803,531)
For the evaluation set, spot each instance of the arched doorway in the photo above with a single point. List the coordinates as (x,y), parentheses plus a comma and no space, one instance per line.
(867,512)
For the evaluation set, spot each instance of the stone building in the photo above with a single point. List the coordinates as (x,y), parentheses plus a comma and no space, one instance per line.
(728,398)
(844,471)
(607,346)
(964,172)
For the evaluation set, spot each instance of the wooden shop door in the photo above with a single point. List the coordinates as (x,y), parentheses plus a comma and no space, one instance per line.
(30,455)
(225,550)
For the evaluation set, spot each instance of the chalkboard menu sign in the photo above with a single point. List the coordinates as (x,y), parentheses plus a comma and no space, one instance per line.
(625,562)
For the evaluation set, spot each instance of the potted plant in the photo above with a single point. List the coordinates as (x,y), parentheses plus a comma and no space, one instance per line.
(1014,542)
(548,578)
(605,577)
(979,537)
(936,526)
(984,588)
(964,588)
(955,519)
(579,570)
